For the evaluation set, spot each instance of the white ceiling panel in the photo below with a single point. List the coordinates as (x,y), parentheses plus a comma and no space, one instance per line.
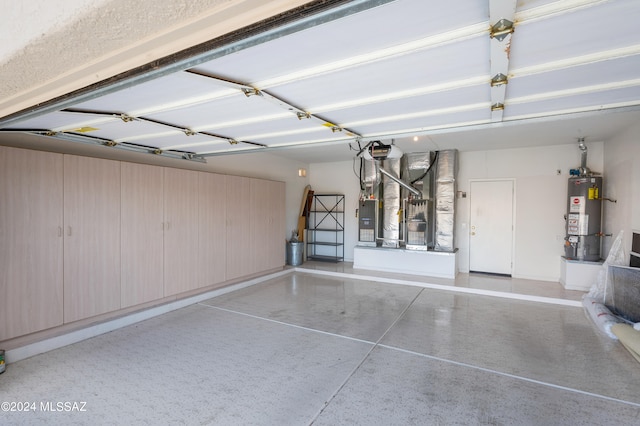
(599,28)
(376,29)
(172,91)
(287,124)
(320,136)
(555,103)
(211,115)
(407,72)
(438,103)
(422,123)
(130,131)
(61,121)
(598,73)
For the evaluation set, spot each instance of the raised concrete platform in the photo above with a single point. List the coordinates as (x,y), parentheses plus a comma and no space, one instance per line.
(579,275)
(416,262)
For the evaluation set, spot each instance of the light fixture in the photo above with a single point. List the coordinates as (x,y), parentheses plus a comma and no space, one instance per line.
(302,172)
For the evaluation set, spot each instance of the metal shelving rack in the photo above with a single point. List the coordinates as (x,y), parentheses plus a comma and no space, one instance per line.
(325,228)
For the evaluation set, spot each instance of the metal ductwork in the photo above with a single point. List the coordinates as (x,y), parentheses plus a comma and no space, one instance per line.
(414,206)
(391,203)
(445,182)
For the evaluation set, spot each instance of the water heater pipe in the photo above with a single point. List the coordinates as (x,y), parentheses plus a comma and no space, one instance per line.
(584,170)
(409,188)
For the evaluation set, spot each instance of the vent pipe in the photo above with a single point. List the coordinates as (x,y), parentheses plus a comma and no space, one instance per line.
(406,186)
(584,170)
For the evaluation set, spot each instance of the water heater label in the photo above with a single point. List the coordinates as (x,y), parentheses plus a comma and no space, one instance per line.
(576,204)
(573,224)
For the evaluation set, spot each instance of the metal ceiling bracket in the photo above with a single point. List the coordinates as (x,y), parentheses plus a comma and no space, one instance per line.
(193,157)
(251,92)
(302,115)
(497,107)
(126,118)
(499,79)
(189,132)
(110,143)
(157,151)
(501,29)
(233,142)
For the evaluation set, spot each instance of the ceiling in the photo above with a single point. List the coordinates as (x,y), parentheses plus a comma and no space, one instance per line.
(314,86)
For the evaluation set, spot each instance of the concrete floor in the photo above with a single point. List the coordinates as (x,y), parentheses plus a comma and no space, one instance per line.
(331,346)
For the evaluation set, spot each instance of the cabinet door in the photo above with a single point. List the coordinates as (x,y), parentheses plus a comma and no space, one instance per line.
(141,234)
(181,231)
(267,224)
(30,241)
(239,238)
(213,234)
(92,237)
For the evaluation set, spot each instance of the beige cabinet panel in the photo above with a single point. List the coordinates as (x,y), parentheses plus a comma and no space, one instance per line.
(267,224)
(142,250)
(92,237)
(213,234)
(180,231)
(31,288)
(239,238)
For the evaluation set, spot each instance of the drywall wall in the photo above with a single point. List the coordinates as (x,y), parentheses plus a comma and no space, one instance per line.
(622,183)
(339,178)
(540,201)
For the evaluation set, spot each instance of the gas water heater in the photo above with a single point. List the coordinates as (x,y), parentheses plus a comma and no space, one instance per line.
(584,218)
(584,212)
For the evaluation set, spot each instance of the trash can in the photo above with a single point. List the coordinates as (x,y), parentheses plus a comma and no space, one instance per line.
(294,253)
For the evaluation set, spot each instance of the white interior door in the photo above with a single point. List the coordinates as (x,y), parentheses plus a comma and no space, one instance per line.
(491,226)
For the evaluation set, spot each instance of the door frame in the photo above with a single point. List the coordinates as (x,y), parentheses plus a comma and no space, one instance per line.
(513,215)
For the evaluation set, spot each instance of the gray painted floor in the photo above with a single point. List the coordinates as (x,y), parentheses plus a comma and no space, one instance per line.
(333,350)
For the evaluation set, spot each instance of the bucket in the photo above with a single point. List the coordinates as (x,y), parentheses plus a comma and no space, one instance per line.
(1,361)
(294,253)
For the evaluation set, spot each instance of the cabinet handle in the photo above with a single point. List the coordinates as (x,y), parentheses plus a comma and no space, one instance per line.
(69,231)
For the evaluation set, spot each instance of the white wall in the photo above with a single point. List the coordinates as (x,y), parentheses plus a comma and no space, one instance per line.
(541,198)
(622,183)
(340,178)
(540,201)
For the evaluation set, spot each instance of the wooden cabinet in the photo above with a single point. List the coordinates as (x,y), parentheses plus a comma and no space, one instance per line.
(81,237)
(238,230)
(142,236)
(180,231)
(212,240)
(267,224)
(92,237)
(31,287)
